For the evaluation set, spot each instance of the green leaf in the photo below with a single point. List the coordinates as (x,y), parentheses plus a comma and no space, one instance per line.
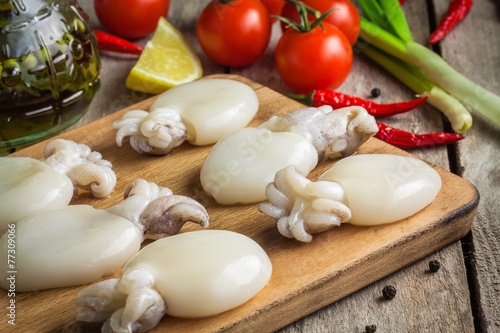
(396,18)
(374,13)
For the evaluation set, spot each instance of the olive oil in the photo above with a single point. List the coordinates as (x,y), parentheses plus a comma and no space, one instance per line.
(49,67)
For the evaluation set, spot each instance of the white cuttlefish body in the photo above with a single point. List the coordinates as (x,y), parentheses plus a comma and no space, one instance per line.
(190,275)
(79,244)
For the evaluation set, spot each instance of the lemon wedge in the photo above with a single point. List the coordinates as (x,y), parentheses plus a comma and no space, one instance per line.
(166,61)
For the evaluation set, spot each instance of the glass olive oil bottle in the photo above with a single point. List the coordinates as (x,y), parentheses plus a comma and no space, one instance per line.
(49,69)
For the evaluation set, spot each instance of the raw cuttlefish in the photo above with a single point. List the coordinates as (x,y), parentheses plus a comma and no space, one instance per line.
(192,274)
(363,190)
(28,186)
(78,244)
(200,112)
(239,167)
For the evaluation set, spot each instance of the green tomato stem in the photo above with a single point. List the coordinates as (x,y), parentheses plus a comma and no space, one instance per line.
(304,25)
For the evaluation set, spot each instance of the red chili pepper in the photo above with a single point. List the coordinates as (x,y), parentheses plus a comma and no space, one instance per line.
(406,140)
(108,42)
(457,11)
(338,100)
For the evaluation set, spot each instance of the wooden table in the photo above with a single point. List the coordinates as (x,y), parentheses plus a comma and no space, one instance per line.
(464,295)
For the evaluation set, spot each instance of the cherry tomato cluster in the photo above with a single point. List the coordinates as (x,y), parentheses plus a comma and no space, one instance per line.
(236,33)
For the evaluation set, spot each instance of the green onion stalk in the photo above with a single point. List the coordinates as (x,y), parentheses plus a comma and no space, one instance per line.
(386,39)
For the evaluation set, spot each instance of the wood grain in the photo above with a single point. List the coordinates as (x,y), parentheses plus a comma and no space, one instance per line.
(426,302)
(478,155)
(306,277)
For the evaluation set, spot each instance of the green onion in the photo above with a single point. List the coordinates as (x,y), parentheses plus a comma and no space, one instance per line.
(384,40)
(454,111)
(386,30)
(397,19)
(457,114)
(438,70)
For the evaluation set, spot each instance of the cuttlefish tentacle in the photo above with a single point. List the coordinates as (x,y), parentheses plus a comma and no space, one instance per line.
(93,178)
(71,148)
(166,215)
(101,300)
(150,190)
(333,133)
(129,304)
(156,212)
(309,207)
(157,132)
(129,125)
(143,310)
(86,169)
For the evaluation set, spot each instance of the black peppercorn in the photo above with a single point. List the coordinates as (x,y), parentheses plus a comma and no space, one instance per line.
(371,328)
(434,265)
(389,292)
(375,92)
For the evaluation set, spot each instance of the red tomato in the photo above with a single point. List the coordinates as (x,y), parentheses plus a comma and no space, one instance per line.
(130,18)
(344,16)
(318,59)
(274,7)
(234,34)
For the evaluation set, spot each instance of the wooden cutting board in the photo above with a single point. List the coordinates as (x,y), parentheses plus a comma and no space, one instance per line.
(306,277)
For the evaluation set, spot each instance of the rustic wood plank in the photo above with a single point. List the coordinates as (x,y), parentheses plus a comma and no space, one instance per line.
(454,310)
(416,286)
(332,266)
(371,76)
(340,317)
(473,48)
